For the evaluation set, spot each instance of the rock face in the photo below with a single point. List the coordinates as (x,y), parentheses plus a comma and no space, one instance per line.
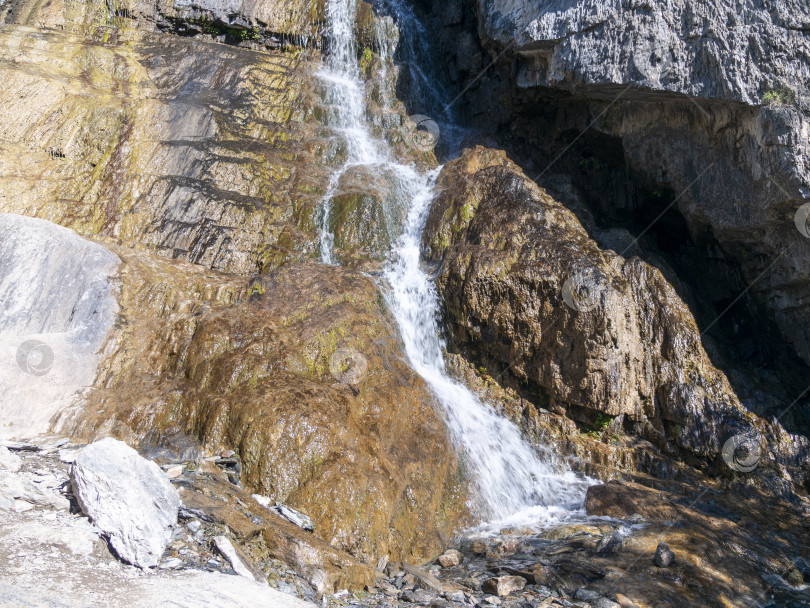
(196,149)
(59,305)
(130,499)
(711,102)
(300,371)
(583,331)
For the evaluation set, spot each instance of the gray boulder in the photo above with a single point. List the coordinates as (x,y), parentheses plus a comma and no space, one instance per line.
(129,498)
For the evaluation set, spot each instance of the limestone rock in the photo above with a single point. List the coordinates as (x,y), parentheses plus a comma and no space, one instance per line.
(8,461)
(503,585)
(225,547)
(725,126)
(530,296)
(239,357)
(130,499)
(59,306)
(450,558)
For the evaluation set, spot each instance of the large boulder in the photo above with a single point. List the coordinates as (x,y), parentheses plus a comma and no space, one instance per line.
(129,498)
(578,330)
(302,373)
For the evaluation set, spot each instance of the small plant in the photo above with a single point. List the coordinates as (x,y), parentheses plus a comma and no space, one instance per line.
(599,424)
(366,60)
(781,96)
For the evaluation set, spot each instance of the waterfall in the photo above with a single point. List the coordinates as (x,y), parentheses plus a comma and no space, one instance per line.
(514,484)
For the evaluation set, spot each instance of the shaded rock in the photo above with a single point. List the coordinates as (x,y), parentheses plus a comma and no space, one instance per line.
(130,499)
(663,555)
(503,585)
(610,543)
(624,500)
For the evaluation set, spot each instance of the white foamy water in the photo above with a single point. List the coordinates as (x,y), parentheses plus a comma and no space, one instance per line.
(513,484)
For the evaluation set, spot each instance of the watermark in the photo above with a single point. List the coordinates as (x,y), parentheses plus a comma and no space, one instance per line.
(35,357)
(426,133)
(802,220)
(742,452)
(349,366)
(583,291)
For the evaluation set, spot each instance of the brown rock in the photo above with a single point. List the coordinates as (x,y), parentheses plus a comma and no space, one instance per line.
(258,367)
(623,500)
(531,297)
(503,585)
(450,558)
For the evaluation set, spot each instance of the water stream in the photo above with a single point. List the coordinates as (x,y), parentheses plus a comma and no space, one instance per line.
(515,485)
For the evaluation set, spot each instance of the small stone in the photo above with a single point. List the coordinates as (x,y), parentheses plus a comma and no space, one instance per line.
(455,596)
(493,600)
(296,517)
(226,453)
(663,556)
(175,471)
(624,601)
(225,547)
(171,564)
(478,547)
(194,525)
(587,595)
(610,543)
(450,558)
(503,585)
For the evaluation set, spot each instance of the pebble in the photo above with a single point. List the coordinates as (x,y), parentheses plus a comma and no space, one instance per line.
(194,525)
(610,543)
(171,564)
(663,555)
(450,558)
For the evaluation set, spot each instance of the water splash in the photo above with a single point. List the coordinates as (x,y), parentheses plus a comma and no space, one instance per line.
(514,484)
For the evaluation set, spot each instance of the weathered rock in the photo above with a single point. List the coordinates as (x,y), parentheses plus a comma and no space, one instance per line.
(724,126)
(530,296)
(130,499)
(610,543)
(215,174)
(663,556)
(225,547)
(59,305)
(624,500)
(237,368)
(503,585)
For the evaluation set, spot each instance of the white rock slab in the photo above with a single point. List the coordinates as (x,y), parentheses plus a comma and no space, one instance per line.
(128,497)
(58,303)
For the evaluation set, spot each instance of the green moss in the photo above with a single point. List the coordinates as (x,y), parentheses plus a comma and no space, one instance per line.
(366,62)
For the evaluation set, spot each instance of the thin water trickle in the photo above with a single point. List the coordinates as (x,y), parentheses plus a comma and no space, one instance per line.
(515,486)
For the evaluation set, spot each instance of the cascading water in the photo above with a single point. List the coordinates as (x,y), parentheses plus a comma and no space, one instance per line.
(514,484)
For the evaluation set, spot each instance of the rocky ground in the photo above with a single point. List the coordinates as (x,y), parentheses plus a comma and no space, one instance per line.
(630,546)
